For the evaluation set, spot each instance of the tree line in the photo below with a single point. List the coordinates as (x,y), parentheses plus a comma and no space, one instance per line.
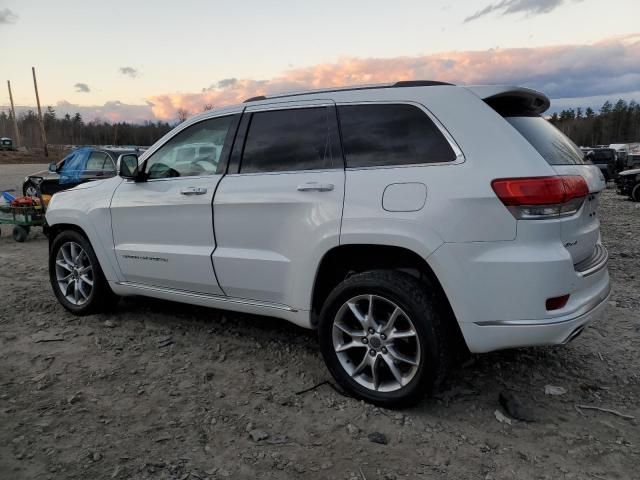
(617,122)
(73,130)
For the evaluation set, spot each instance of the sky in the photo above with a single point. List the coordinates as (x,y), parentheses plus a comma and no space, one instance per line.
(139,60)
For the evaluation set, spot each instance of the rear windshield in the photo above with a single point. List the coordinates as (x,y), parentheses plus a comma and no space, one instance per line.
(551,143)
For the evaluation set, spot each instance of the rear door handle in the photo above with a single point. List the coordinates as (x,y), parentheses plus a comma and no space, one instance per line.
(315,187)
(193,191)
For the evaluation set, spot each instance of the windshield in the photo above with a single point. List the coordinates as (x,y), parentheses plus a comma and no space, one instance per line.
(555,147)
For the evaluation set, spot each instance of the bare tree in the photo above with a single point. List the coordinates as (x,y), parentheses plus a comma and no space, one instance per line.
(182,114)
(207,106)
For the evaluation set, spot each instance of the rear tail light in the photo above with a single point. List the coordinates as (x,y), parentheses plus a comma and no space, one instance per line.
(534,198)
(556,303)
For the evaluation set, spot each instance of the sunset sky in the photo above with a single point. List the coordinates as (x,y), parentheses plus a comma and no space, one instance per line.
(142,60)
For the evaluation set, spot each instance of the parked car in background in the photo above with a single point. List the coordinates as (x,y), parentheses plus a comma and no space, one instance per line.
(628,184)
(6,143)
(606,160)
(81,165)
(382,216)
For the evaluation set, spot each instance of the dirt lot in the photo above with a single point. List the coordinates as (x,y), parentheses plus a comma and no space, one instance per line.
(31,156)
(162,390)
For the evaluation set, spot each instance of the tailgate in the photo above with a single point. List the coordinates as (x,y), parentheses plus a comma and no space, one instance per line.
(581,232)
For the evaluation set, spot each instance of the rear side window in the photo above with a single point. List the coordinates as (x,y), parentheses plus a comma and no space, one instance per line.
(295,139)
(551,143)
(390,134)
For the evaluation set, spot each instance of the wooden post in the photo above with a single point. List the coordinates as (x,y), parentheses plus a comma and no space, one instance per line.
(42,132)
(15,119)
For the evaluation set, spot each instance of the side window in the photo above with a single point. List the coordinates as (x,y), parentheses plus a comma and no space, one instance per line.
(295,139)
(98,163)
(195,151)
(390,134)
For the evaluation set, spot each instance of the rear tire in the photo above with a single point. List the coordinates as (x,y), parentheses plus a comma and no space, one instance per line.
(635,193)
(76,277)
(390,354)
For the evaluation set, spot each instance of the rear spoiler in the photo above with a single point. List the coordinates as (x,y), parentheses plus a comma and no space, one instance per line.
(512,101)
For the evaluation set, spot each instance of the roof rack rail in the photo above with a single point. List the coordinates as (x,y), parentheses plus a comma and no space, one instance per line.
(255,99)
(420,83)
(404,83)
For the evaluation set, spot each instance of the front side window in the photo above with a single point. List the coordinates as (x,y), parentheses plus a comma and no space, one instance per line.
(391,134)
(195,151)
(286,140)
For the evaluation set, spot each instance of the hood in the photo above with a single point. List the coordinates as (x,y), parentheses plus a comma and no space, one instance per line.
(44,174)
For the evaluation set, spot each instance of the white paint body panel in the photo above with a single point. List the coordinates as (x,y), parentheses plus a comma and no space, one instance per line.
(164,238)
(269,237)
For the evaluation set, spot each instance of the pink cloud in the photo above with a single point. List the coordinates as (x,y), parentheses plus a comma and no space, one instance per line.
(609,66)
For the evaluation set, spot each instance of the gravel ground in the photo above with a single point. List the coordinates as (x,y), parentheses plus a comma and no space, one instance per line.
(168,391)
(12,176)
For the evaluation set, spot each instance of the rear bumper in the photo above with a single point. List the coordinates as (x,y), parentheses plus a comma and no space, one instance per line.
(503,334)
(498,290)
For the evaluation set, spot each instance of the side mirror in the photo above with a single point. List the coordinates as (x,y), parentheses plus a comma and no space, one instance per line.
(128,166)
(53,168)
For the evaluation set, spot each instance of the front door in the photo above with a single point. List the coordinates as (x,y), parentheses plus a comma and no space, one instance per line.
(163,226)
(279,208)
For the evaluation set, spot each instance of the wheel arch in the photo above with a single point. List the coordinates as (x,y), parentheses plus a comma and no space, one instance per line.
(345,260)
(52,231)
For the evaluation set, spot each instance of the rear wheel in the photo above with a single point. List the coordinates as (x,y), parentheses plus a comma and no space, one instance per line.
(75,274)
(382,339)
(635,193)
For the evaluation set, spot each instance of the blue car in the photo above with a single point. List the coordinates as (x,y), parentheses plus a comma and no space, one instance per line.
(83,164)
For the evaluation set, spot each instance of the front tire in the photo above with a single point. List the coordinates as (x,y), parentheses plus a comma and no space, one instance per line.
(75,275)
(382,338)
(29,189)
(20,233)
(635,193)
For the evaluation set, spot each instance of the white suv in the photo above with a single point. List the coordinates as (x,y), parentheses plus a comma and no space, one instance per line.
(397,220)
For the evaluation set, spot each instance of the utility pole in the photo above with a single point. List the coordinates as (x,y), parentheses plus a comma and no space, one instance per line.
(42,132)
(15,119)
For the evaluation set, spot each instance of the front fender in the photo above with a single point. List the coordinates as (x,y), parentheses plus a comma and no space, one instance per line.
(89,210)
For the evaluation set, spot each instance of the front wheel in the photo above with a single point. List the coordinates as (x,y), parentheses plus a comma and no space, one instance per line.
(75,274)
(30,190)
(20,233)
(382,338)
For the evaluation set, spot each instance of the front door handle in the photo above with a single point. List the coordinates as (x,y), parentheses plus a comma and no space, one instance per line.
(315,187)
(193,191)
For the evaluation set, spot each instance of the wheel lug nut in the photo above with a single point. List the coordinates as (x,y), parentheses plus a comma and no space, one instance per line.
(364,340)
(384,350)
(371,330)
(383,336)
(372,352)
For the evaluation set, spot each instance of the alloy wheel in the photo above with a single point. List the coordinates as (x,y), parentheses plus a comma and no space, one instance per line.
(74,273)
(376,343)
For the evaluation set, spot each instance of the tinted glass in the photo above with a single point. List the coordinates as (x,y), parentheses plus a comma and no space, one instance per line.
(551,143)
(375,135)
(193,152)
(602,156)
(284,140)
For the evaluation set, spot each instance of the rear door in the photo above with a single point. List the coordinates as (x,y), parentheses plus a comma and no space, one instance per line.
(279,208)
(163,227)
